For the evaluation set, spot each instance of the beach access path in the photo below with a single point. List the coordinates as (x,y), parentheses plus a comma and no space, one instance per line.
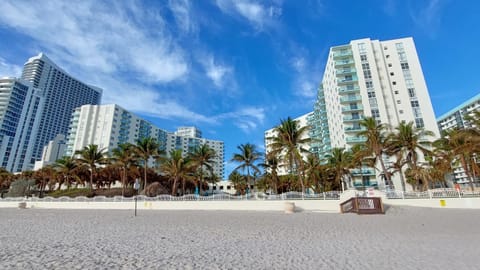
(403,238)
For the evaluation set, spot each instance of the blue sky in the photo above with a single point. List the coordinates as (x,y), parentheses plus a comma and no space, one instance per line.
(233,68)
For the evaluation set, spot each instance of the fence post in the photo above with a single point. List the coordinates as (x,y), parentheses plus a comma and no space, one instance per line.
(459,194)
(429,193)
(324,197)
(403,195)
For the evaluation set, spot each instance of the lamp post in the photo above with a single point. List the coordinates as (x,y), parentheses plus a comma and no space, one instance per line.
(136,186)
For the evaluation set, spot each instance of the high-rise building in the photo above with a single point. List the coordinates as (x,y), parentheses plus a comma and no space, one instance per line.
(370,78)
(188,132)
(109,125)
(301,121)
(62,93)
(53,151)
(455,118)
(189,138)
(20,107)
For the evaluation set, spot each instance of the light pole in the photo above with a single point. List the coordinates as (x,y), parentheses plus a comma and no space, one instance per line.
(136,186)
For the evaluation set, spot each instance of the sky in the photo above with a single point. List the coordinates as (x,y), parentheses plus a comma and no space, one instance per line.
(233,68)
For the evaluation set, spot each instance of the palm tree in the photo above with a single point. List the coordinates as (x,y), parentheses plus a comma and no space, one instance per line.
(90,156)
(463,148)
(247,157)
(202,158)
(124,157)
(315,172)
(360,157)
(340,162)
(145,149)
(289,142)
(238,181)
(377,143)
(67,167)
(407,142)
(271,166)
(177,168)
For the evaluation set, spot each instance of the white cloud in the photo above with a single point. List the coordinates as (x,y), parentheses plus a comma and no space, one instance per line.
(247,119)
(305,77)
(181,10)
(9,70)
(218,73)
(256,13)
(107,38)
(428,18)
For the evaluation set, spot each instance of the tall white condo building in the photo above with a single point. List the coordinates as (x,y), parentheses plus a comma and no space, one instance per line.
(369,78)
(62,93)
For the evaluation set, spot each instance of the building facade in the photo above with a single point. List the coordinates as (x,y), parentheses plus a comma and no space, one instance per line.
(53,151)
(370,78)
(62,94)
(302,121)
(109,125)
(20,107)
(455,119)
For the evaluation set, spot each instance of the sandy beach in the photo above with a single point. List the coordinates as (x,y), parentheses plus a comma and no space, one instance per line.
(404,238)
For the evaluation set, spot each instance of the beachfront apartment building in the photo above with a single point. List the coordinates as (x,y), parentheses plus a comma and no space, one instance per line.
(369,78)
(55,97)
(283,166)
(20,107)
(455,118)
(110,125)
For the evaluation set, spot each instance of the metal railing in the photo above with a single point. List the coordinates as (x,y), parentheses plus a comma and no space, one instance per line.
(432,194)
(331,195)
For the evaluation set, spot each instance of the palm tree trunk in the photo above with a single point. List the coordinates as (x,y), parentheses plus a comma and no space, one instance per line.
(145,175)
(91,179)
(174,186)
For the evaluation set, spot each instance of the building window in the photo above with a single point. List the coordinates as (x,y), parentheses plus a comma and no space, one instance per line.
(369,84)
(387,56)
(389,64)
(391,73)
(375,113)
(400,111)
(399,102)
(414,103)
(371,94)
(419,123)
(396,92)
(405,66)
(394,83)
(363,57)
(411,92)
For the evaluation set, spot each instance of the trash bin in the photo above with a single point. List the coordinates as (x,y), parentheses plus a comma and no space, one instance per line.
(443,203)
(289,207)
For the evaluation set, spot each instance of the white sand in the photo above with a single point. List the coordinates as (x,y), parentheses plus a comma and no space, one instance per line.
(404,238)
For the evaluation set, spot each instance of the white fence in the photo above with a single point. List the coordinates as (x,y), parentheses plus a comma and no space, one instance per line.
(331,195)
(432,194)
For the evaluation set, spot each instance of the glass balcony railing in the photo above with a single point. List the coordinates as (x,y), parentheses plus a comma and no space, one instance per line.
(352,108)
(355,139)
(345,90)
(351,79)
(350,98)
(364,171)
(345,62)
(340,72)
(341,54)
(351,119)
(354,129)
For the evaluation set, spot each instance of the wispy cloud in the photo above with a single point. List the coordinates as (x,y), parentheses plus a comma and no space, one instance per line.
(123,49)
(9,70)
(181,10)
(247,119)
(258,14)
(106,37)
(428,17)
(218,73)
(306,77)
